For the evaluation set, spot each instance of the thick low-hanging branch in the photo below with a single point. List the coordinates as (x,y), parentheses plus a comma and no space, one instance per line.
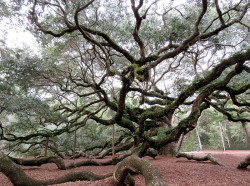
(207,157)
(40,161)
(114,161)
(18,177)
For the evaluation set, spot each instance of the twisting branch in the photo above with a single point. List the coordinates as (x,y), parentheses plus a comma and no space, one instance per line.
(18,177)
(134,164)
(219,12)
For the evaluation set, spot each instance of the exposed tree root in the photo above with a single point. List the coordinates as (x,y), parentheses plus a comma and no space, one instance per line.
(134,164)
(39,161)
(197,158)
(244,163)
(18,177)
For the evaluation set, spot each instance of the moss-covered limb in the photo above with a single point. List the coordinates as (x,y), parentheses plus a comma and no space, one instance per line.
(157,102)
(207,157)
(40,161)
(152,94)
(240,58)
(12,137)
(18,177)
(233,92)
(114,161)
(246,68)
(134,164)
(229,116)
(173,134)
(244,163)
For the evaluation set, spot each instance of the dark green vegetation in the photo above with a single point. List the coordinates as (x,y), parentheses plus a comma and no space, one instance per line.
(150,69)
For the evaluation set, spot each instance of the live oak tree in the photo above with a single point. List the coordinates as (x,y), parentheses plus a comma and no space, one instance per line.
(137,64)
(165,57)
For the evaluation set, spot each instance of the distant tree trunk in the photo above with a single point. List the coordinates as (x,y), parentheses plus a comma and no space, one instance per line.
(113,141)
(198,136)
(180,142)
(222,139)
(225,132)
(46,147)
(243,124)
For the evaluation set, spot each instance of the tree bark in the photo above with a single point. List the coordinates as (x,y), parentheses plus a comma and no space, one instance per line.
(244,163)
(134,164)
(18,177)
(46,147)
(197,158)
(74,147)
(170,149)
(38,162)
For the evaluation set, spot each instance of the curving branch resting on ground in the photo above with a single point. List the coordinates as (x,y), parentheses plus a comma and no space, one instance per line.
(38,162)
(198,158)
(114,161)
(61,165)
(18,177)
(244,163)
(134,164)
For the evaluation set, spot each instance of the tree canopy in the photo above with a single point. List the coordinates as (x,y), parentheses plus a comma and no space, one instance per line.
(148,66)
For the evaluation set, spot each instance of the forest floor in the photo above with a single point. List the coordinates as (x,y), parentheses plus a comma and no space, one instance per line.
(175,171)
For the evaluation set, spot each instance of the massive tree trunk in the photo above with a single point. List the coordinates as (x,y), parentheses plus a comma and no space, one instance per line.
(18,177)
(134,164)
(170,149)
(244,163)
(38,162)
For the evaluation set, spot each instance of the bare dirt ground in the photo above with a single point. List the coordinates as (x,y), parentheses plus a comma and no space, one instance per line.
(175,172)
